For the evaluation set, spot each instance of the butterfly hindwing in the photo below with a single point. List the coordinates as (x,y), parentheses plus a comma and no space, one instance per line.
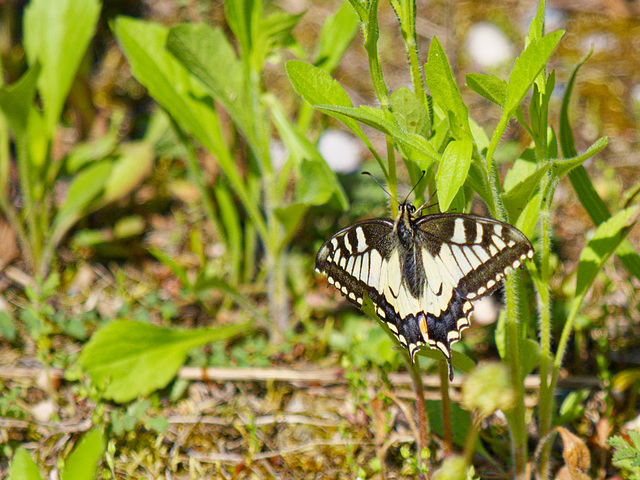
(422,274)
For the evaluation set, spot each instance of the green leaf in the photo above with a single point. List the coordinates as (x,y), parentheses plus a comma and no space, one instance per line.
(290,217)
(529,356)
(7,326)
(536,28)
(316,182)
(16,100)
(445,91)
(606,239)
(410,145)
(526,69)
(478,181)
(318,88)
(410,113)
(182,95)
(567,143)
(239,14)
(453,170)
(583,186)
(573,406)
(491,87)
(168,82)
(82,462)
(232,226)
(516,198)
(209,56)
(273,33)
(336,35)
(57,34)
(129,359)
(23,467)
(92,151)
(157,424)
(129,170)
(458,359)
(461,421)
(562,167)
(85,187)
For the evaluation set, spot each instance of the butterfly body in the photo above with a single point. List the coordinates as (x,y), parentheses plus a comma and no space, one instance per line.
(422,273)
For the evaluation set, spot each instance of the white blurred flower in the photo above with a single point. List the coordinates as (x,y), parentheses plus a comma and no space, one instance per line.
(340,150)
(488,46)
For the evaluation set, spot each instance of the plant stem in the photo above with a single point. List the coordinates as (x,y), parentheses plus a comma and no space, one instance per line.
(421,408)
(447,427)
(544,307)
(470,442)
(517,424)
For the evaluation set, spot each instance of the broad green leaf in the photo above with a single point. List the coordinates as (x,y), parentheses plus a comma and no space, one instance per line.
(23,467)
(524,73)
(478,181)
(526,164)
(318,88)
(412,146)
(529,356)
(410,113)
(91,151)
(82,462)
(178,92)
(208,55)
(85,187)
(515,199)
(530,216)
(608,236)
(526,69)
(16,100)
(445,91)
(573,406)
(491,87)
(371,33)
(562,167)
(290,217)
(129,170)
(536,28)
(168,82)
(606,239)
(273,33)
(460,419)
(479,135)
(453,170)
(314,186)
(239,14)
(336,35)
(316,182)
(129,359)
(57,34)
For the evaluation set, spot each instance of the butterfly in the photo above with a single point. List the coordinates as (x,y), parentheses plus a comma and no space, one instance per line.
(423,272)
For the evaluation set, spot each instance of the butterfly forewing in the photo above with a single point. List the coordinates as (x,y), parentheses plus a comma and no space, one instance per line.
(422,274)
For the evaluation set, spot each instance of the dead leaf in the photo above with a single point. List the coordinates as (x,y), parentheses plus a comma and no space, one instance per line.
(576,455)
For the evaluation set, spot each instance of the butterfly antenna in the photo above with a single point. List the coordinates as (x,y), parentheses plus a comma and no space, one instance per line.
(380,185)
(425,203)
(414,187)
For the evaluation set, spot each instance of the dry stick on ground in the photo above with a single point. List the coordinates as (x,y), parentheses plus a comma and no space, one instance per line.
(327,376)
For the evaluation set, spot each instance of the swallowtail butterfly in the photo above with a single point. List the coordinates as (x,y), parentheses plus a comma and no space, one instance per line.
(423,272)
